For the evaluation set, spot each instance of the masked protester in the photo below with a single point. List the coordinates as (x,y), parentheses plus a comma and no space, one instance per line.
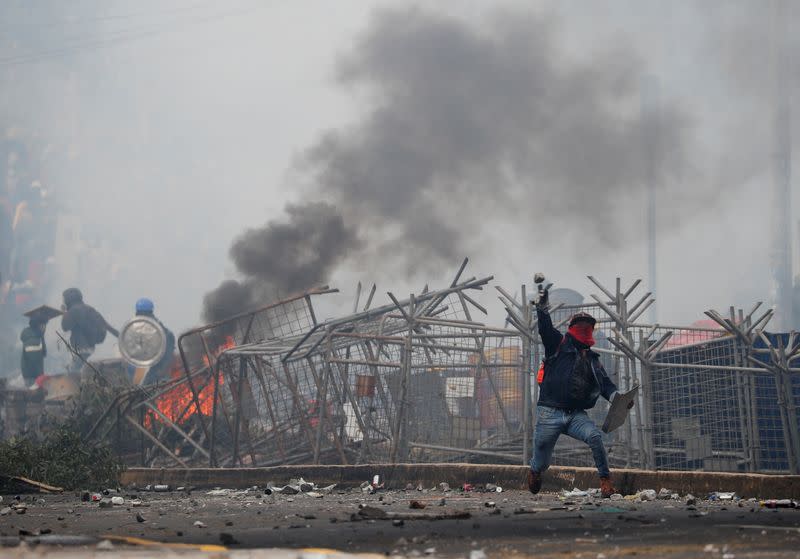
(86,326)
(571,381)
(34,351)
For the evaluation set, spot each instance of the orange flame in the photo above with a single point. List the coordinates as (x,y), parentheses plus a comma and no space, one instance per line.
(178,404)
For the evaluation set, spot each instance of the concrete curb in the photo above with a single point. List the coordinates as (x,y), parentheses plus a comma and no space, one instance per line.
(397,476)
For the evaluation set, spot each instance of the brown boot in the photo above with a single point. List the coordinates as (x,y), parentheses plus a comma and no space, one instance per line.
(606,487)
(534,481)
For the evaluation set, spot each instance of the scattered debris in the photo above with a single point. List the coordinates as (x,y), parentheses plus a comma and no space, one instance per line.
(526,510)
(18,484)
(665,494)
(444,487)
(722,496)
(491,487)
(647,495)
(574,493)
(367,512)
(161,488)
(779,504)
(117,501)
(139,517)
(105,545)
(199,524)
(416,505)
(219,492)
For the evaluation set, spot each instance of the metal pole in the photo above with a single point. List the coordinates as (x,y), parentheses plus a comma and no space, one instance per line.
(526,377)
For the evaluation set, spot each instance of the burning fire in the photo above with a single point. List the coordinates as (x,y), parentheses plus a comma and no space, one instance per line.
(178,404)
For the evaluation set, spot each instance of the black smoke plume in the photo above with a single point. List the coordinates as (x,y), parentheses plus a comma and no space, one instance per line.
(282,257)
(464,125)
(467,124)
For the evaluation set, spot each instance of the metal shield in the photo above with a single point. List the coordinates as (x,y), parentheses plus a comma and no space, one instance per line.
(142,341)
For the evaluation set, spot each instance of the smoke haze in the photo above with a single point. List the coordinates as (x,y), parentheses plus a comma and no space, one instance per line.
(513,135)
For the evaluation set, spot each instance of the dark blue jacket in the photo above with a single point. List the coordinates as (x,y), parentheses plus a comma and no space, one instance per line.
(563,386)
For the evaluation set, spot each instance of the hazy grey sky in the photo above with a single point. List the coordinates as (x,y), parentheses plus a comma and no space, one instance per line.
(197,130)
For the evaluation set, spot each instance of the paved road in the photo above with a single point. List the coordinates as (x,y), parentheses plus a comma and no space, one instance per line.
(516,524)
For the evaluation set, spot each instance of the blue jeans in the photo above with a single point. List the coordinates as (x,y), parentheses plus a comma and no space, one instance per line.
(552,423)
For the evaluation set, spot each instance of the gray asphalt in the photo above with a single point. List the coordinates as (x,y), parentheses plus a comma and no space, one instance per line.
(501,524)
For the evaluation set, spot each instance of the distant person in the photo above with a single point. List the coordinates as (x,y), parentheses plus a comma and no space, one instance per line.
(86,326)
(145,307)
(34,350)
(573,378)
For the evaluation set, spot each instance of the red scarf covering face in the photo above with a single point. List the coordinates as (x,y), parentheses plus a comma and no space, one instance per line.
(582,331)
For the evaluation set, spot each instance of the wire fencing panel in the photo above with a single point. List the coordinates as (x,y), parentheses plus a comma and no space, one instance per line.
(377,388)
(700,416)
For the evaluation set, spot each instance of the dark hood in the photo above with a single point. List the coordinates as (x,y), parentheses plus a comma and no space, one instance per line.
(72,296)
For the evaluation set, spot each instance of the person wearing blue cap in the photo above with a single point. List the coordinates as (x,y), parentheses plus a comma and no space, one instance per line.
(159,371)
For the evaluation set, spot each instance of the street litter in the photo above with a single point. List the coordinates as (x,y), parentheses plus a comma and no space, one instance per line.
(416,505)
(665,494)
(647,495)
(301,484)
(199,524)
(722,496)
(219,492)
(574,493)
(374,513)
(491,487)
(779,504)
(117,501)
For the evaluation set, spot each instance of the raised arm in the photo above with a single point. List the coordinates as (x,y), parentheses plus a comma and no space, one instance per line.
(551,338)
